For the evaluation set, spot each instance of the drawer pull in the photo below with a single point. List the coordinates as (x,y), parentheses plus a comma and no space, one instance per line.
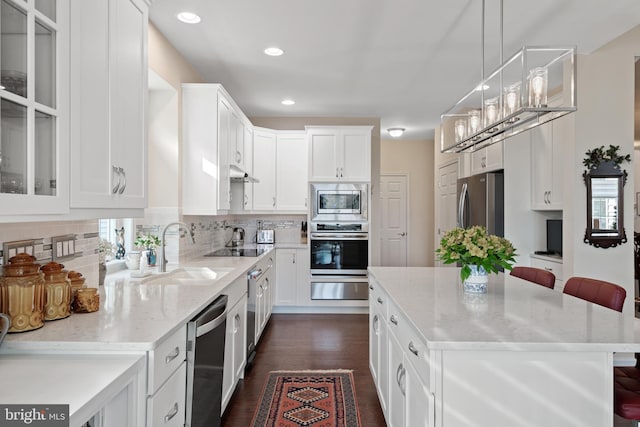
(175,353)
(379,300)
(412,348)
(172,413)
(371,287)
(393,319)
(548,268)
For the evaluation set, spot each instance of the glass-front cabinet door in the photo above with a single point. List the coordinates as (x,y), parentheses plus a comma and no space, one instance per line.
(33,111)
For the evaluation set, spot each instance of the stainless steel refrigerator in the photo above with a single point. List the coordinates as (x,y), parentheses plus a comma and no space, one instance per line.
(481,202)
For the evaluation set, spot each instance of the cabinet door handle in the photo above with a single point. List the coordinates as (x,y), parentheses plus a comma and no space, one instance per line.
(246,200)
(379,300)
(175,353)
(238,156)
(548,268)
(294,258)
(393,319)
(375,324)
(412,348)
(115,170)
(305,202)
(336,172)
(274,202)
(236,323)
(400,373)
(371,287)
(124,184)
(341,172)
(172,413)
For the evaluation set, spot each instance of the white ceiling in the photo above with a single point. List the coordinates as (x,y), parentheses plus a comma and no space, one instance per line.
(405,61)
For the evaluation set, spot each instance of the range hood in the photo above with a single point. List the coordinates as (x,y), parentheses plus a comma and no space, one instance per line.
(238,175)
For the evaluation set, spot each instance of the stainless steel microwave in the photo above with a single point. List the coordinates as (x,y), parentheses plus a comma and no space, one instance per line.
(339,202)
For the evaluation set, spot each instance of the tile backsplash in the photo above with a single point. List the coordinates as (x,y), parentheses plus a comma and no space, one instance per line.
(85,258)
(211,233)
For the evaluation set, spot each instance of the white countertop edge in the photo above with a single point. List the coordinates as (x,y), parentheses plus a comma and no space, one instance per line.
(531,346)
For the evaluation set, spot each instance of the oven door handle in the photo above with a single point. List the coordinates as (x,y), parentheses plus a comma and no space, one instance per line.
(340,236)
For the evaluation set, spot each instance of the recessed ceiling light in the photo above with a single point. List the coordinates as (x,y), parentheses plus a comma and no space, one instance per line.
(395,132)
(188,17)
(273,51)
(288,102)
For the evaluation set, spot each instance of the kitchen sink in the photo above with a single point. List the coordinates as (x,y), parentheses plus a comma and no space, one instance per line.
(187,275)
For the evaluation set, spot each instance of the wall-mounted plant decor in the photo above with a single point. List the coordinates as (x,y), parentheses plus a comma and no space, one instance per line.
(605,196)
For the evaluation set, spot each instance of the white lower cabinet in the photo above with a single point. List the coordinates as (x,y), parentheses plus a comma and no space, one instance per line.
(399,365)
(167,406)
(264,295)
(166,384)
(378,345)
(234,347)
(292,276)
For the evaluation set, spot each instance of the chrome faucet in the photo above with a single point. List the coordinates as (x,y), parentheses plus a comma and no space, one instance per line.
(162,261)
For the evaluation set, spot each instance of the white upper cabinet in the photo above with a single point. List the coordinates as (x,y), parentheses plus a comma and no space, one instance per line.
(215,133)
(487,159)
(264,169)
(546,167)
(108,84)
(339,153)
(291,171)
(226,134)
(34,150)
(280,163)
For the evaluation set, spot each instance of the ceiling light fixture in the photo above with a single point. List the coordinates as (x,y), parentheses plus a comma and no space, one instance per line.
(273,51)
(288,102)
(188,17)
(395,132)
(534,86)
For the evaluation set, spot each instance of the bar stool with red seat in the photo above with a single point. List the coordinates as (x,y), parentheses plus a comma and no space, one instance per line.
(535,275)
(596,291)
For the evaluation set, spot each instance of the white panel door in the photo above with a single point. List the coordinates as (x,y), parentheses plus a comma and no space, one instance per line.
(447,202)
(393,233)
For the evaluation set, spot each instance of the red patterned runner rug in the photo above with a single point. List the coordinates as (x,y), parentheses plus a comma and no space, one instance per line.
(308,398)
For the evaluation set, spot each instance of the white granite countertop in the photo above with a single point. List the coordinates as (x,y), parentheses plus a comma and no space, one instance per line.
(514,314)
(132,316)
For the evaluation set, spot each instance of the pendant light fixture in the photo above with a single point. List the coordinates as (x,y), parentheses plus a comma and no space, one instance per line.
(535,85)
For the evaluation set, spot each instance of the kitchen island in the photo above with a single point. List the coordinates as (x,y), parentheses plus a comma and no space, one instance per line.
(519,355)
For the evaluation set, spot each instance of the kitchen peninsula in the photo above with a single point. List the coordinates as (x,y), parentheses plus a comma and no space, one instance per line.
(519,355)
(127,360)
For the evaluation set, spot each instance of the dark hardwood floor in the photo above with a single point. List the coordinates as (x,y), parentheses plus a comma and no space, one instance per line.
(309,341)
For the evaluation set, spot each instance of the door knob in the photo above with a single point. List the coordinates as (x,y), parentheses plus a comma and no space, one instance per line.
(402,234)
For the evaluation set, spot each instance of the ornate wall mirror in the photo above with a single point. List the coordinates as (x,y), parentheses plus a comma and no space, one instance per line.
(605,197)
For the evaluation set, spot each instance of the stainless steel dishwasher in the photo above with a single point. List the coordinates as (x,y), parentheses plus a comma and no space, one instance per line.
(205,363)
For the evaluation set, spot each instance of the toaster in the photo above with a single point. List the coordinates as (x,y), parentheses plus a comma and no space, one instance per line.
(265,236)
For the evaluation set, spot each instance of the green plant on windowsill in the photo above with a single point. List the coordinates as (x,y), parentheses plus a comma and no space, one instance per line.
(148,241)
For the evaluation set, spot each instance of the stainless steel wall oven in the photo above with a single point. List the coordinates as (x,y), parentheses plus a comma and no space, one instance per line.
(339,258)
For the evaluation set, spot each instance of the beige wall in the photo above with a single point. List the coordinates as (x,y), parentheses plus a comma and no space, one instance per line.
(298,123)
(415,158)
(164,140)
(605,116)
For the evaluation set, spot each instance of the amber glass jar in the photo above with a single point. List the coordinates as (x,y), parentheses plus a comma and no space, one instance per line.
(58,291)
(22,293)
(87,300)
